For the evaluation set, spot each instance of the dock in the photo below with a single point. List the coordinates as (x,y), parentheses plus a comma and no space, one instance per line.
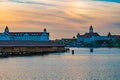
(27,48)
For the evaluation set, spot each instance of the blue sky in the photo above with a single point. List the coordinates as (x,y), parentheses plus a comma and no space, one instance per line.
(62,18)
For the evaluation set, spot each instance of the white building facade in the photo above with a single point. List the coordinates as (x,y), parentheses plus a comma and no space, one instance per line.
(92,36)
(30,36)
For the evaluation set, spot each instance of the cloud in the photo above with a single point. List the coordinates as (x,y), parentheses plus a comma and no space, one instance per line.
(116,24)
(62,18)
(74,20)
(116,1)
(18,1)
(32,2)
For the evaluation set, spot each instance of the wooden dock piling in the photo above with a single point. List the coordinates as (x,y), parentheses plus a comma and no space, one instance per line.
(72,52)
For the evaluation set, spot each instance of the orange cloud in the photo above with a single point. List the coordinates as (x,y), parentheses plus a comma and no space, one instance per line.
(61,18)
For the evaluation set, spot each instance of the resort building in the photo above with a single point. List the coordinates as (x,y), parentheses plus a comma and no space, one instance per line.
(92,39)
(26,36)
(92,36)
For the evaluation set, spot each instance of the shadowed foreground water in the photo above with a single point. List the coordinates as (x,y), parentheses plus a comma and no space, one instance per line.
(102,64)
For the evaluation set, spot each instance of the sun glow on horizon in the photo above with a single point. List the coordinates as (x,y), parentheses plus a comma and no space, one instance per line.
(61,18)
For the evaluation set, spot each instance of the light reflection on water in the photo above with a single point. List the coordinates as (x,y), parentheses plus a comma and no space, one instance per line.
(102,64)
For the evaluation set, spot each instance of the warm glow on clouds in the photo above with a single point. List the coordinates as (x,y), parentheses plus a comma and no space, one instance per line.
(62,18)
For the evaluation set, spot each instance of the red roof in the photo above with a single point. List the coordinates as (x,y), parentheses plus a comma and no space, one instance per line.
(81,36)
(89,34)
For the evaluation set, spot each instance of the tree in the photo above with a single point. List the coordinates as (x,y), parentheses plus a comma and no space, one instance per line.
(118,42)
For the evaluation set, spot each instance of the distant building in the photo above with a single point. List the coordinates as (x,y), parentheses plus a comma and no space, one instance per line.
(69,41)
(92,36)
(30,36)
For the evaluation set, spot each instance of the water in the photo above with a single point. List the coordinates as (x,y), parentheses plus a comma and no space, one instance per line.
(102,64)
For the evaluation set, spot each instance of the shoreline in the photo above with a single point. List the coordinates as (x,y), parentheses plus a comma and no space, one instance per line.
(90,47)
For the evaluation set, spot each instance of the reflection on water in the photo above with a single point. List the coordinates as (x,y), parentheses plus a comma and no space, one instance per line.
(102,64)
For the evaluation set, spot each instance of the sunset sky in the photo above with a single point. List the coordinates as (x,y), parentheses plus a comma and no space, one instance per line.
(62,18)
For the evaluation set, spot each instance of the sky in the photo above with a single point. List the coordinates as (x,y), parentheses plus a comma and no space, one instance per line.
(62,18)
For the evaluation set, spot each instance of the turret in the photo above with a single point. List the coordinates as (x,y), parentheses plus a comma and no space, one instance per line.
(109,34)
(91,29)
(78,34)
(45,30)
(45,35)
(6,29)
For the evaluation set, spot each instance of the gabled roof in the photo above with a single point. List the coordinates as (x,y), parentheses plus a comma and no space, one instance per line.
(23,33)
(110,35)
(80,36)
(91,34)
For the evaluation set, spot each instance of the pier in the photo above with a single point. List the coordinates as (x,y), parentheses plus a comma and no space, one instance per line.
(26,48)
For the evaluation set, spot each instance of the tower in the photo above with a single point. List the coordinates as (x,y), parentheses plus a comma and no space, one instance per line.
(6,29)
(78,34)
(91,29)
(45,35)
(109,34)
(45,30)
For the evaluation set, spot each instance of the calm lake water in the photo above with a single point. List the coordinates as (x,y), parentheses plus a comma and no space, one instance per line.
(102,64)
